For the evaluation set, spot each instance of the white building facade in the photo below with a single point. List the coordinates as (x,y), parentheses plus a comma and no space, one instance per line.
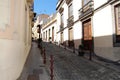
(106,29)
(36,31)
(92,23)
(69,31)
(49,29)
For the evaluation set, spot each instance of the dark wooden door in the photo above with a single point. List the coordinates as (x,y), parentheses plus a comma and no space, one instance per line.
(87,35)
(52,33)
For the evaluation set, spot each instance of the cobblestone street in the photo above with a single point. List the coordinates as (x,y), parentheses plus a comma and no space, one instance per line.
(69,66)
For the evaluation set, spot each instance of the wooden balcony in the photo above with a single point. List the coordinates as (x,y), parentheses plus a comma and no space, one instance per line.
(70,21)
(87,10)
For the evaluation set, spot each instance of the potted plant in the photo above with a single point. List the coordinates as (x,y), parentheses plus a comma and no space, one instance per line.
(81,50)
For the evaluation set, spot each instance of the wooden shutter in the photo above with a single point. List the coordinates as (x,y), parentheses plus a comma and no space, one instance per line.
(87,31)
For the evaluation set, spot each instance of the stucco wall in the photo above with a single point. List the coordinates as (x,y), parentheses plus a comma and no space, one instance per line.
(77,4)
(50,27)
(15,42)
(103,34)
(65,14)
(77,34)
(98,3)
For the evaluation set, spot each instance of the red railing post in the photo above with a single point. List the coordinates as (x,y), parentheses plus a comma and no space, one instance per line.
(73,47)
(90,48)
(51,67)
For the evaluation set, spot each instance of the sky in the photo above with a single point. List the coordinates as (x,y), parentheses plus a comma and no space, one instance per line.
(45,6)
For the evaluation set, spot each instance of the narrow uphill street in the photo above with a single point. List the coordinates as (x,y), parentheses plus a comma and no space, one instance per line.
(69,66)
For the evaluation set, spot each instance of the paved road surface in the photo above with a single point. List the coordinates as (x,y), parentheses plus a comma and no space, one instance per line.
(69,66)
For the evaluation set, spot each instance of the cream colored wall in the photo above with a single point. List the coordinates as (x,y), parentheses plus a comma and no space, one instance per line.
(14,47)
(103,34)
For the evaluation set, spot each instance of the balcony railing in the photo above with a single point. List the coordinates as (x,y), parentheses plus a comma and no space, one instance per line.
(61,26)
(70,21)
(86,10)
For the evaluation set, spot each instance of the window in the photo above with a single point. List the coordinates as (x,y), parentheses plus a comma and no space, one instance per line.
(70,34)
(46,35)
(52,33)
(70,10)
(49,34)
(117,22)
(85,2)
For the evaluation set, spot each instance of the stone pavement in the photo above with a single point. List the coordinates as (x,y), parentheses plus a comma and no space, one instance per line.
(69,66)
(34,68)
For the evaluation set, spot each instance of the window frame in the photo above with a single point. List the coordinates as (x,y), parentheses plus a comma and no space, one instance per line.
(117,23)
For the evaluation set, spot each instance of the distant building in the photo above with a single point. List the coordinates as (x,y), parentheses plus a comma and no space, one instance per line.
(35,29)
(49,28)
(15,36)
(70,28)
